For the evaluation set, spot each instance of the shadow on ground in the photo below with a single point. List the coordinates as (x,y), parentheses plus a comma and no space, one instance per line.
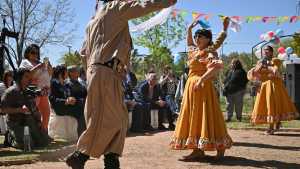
(259,145)
(245,162)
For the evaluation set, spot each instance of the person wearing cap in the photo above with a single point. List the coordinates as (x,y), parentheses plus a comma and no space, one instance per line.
(200,125)
(106,53)
(77,91)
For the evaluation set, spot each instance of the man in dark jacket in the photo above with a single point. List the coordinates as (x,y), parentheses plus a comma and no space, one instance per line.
(234,89)
(150,95)
(78,91)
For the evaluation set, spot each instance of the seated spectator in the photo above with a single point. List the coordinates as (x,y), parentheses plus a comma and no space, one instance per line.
(150,95)
(20,106)
(65,121)
(79,92)
(136,108)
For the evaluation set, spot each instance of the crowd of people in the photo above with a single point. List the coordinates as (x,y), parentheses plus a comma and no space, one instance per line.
(91,107)
(34,92)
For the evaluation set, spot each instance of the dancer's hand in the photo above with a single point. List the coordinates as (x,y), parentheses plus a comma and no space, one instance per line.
(193,24)
(199,84)
(226,23)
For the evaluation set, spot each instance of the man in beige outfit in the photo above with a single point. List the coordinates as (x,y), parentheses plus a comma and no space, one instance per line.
(107,48)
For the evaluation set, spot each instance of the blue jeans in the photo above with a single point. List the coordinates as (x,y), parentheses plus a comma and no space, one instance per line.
(170,99)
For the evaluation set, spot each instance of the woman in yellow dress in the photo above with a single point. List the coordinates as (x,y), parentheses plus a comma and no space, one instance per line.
(272,104)
(200,125)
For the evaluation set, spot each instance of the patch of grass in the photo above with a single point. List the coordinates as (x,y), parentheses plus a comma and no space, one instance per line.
(247,110)
(11,154)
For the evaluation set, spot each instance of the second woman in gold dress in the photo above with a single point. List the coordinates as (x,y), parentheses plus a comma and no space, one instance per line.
(272,104)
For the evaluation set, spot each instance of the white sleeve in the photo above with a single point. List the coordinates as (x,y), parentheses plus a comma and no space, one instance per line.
(26,64)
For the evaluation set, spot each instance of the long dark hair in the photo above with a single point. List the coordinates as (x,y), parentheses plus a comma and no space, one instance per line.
(204,32)
(59,70)
(30,48)
(236,64)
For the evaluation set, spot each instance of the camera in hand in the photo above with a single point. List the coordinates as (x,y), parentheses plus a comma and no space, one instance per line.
(264,62)
(32,91)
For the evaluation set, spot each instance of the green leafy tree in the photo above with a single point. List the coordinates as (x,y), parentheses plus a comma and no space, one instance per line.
(71,59)
(181,63)
(296,43)
(159,40)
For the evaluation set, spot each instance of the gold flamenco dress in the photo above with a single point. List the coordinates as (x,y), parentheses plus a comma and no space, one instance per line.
(200,124)
(272,103)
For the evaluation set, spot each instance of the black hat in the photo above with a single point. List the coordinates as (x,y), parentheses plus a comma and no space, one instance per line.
(204,32)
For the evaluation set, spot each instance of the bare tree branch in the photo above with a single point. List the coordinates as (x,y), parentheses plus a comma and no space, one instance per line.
(39,21)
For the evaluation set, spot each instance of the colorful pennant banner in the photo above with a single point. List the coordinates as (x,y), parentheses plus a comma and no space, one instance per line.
(247,19)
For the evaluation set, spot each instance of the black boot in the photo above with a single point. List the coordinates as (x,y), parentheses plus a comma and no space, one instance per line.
(111,161)
(77,160)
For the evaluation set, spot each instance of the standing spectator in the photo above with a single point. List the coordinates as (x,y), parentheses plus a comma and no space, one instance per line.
(168,85)
(181,85)
(151,96)
(234,89)
(22,111)
(78,91)
(41,76)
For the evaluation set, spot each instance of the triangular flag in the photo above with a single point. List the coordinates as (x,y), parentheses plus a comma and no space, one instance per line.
(183,13)
(272,18)
(257,18)
(293,19)
(196,15)
(282,19)
(249,19)
(222,17)
(235,26)
(236,18)
(207,16)
(265,19)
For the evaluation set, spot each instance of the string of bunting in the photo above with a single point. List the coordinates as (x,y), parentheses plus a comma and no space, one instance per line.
(247,19)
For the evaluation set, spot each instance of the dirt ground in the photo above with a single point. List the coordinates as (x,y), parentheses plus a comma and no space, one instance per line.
(252,149)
